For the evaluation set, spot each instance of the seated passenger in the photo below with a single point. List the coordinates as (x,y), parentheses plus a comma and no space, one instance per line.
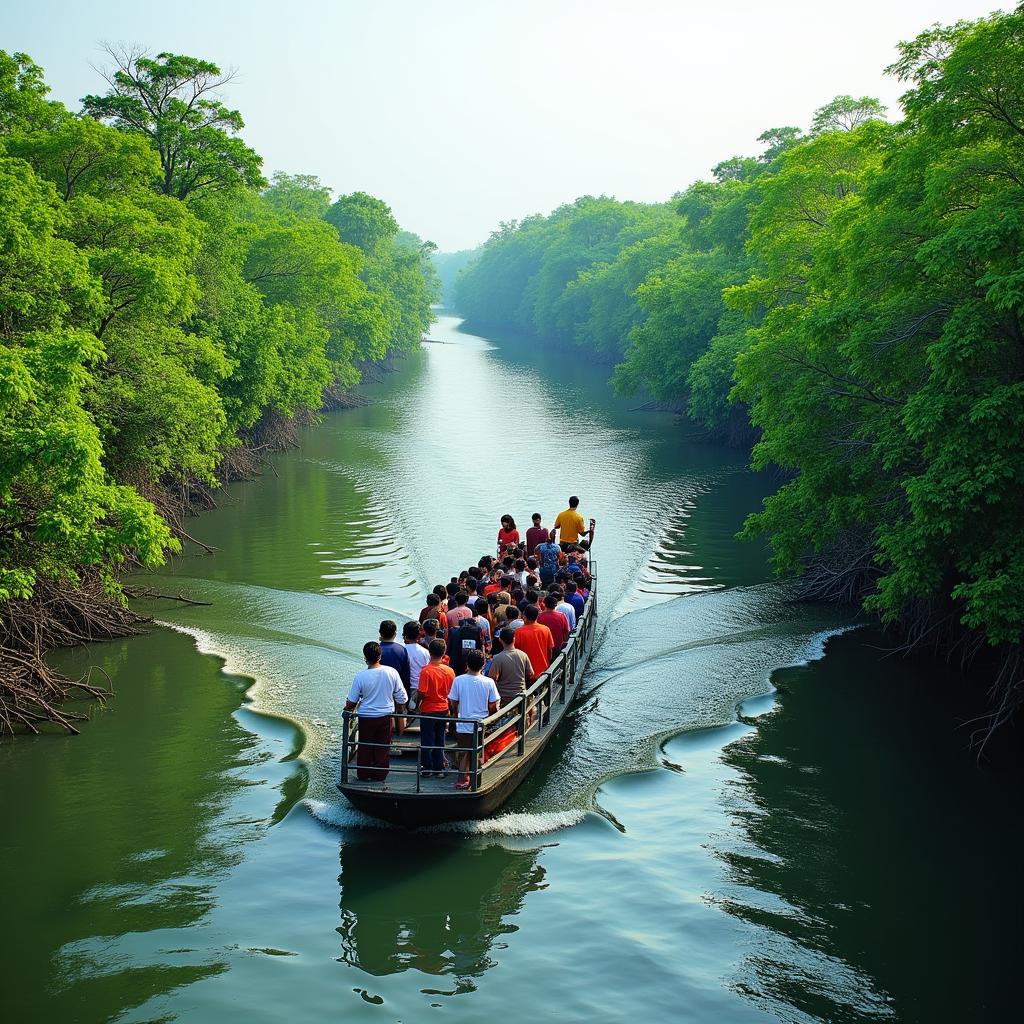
(556,622)
(535,640)
(435,683)
(473,697)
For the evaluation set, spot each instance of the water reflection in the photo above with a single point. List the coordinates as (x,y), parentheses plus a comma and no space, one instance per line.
(856,809)
(440,906)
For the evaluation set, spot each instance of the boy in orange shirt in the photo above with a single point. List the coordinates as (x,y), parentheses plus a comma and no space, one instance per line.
(435,681)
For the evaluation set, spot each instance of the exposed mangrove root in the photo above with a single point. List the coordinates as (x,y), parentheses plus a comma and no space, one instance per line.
(56,616)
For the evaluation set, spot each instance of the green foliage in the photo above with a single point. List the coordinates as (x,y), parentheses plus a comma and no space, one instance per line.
(888,371)
(171,100)
(59,508)
(154,307)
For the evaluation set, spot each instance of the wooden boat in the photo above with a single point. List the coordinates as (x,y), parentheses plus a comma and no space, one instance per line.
(407,798)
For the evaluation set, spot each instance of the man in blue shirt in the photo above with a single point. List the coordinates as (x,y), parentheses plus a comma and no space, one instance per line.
(547,555)
(392,654)
(574,597)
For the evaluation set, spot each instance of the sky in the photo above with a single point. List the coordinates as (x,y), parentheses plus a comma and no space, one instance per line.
(461,114)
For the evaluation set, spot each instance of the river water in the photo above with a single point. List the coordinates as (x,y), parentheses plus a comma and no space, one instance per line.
(690,848)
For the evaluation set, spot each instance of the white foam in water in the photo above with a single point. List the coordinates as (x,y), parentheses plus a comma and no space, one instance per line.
(342,816)
(522,824)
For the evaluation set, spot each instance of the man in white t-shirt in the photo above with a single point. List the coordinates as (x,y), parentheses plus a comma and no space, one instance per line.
(418,657)
(472,696)
(379,694)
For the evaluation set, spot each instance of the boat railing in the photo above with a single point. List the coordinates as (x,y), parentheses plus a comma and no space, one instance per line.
(531,711)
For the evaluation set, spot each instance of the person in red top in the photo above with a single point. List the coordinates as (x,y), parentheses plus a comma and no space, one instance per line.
(535,640)
(435,681)
(508,534)
(433,611)
(535,535)
(556,621)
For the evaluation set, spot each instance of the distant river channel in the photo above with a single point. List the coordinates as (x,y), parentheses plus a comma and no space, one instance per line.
(751,814)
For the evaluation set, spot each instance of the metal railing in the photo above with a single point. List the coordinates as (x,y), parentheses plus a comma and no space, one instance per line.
(531,711)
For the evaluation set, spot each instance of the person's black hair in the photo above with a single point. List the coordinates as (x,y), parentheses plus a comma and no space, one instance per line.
(437,648)
(452,588)
(371,652)
(507,635)
(511,521)
(573,501)
(520,564)
(411,631)
(570,587)
(433,600)
(431,626)
(461,598)
(531,561)
(470,585)
(516,593)
(550,601)
(532,594)
(486,561)
(531,613)
(388,629)
(474,572)
(508,561)
(492,600)
(440,591)
(536,517)
(474,659)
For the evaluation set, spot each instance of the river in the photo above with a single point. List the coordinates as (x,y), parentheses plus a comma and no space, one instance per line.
(691,848)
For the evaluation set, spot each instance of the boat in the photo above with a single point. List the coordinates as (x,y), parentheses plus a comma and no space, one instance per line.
(506,746)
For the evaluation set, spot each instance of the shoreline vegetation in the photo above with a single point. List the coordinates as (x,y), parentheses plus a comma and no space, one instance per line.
(168,318)
(849,304)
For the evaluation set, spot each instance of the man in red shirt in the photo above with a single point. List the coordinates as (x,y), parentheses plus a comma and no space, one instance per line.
(535,535)
(535,640)
(555,621)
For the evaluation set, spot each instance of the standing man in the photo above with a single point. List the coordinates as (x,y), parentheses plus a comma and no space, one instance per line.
(511,670)
(570,524)
(393,654)
(547,554)
(535,640)
(556,621)
(418,657)
(379,693)
(535,535)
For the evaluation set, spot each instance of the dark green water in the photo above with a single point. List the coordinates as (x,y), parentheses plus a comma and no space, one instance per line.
(833,856)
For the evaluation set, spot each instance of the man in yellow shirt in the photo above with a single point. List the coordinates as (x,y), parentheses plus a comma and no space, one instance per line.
(570,524)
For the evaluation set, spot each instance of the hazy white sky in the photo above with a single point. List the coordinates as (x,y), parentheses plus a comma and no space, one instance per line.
(462,113)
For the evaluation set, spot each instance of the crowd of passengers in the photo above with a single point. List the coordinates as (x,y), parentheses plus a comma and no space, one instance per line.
(478,644)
